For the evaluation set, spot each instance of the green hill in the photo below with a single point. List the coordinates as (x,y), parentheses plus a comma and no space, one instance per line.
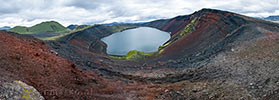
(50,26)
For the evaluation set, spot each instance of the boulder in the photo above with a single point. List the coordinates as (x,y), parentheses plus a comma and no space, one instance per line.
(18,90)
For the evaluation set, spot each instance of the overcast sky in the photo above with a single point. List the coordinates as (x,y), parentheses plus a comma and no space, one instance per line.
(31,12)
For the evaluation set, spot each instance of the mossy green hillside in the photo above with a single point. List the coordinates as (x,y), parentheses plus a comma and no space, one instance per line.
(50,26)
(135,55)
(19,29)
(138,55)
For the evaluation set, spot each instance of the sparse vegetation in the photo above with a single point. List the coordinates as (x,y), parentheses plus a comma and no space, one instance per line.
(188,29)
(138,55)
(135,55)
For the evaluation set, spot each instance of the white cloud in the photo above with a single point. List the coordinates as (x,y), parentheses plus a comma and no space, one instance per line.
(30,12)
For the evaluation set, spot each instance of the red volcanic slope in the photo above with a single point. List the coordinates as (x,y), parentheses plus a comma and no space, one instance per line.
(214,30)
(209,20)
(30,60)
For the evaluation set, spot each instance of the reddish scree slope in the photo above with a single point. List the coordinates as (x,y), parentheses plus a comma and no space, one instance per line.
(213,31)
(30,60)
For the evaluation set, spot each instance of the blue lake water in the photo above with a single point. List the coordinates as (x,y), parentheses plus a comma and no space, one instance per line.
(142,39)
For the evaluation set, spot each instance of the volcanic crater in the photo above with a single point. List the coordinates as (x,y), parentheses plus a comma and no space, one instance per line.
(212,54)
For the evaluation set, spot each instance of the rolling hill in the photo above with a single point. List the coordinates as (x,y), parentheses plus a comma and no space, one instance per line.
(46,30)
(50,26)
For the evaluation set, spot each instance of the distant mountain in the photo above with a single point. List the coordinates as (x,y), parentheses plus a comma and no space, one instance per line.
(115,23)
(49,26)
(72,27)
(81,27)
(5,28)
(272,18)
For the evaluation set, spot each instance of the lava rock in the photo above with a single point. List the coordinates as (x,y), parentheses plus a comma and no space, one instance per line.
(18,90)
(98,46)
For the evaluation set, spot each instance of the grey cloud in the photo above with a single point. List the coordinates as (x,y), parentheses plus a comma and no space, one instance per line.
(30,12)
(86,4)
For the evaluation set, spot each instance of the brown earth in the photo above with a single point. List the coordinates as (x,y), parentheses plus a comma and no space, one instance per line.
(32,61)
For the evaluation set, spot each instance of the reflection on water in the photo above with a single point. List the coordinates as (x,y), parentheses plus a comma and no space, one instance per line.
(142,39)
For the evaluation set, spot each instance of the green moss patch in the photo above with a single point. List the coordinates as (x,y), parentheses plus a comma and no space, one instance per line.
(189,28)
(135,55)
